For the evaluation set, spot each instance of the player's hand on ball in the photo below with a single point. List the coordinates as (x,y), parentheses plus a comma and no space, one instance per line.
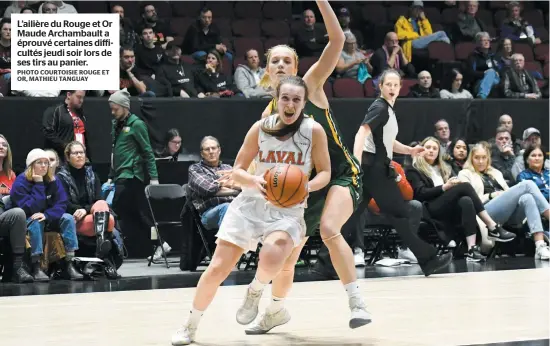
(260,183)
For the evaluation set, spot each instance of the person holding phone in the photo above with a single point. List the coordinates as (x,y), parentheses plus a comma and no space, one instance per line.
(450,201)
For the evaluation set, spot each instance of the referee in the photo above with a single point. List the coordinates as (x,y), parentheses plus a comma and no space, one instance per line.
(375,143)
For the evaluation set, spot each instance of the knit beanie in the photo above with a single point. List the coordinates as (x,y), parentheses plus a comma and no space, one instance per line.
(36,154)
(121,97)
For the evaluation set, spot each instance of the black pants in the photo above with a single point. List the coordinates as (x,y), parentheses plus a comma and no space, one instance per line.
(13,224)
(379,183)
(459,204)
(132,211)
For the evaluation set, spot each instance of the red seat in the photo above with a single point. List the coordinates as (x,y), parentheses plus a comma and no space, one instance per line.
(374,14)
(281,10)
(525,49)
(369,89)
(327,88)
(463,50)
(272,42)
(248,9)
(541,52)
(220,9)
(533,66)
(348,88)
(246,27)
(179,26)
(275,28)
(542,33)
(304,65)
(227,66)
(187,59)
(186,9)
(406,87)
(541,83)
(243,44)
(238,60)
(441,51)
(545,71)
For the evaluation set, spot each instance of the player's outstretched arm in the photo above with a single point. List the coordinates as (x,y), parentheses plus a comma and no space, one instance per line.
(321,159)
(317,75)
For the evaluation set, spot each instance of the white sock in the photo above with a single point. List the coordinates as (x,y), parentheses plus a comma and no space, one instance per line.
(276,305)
(256,285)
(539,243)
(352,289)
(194,318)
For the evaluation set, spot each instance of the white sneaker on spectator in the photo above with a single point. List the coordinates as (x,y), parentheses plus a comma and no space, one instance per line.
(406,254)
(268,321)
(542,252)
(158,253)
(359,257)
(184,336)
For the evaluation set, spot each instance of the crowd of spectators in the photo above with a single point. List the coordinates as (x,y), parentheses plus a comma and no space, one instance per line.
(160,57)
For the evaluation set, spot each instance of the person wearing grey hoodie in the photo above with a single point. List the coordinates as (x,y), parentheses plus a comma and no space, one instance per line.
(247,77)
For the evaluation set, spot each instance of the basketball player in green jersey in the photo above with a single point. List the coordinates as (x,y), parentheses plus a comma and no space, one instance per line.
(328,209)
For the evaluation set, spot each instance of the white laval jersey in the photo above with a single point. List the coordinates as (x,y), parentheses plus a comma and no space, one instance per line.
(295,150)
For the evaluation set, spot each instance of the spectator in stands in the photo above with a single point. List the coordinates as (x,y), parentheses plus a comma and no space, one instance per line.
(211,183)
(504,204)
(516,28)
(13,225)
(424,87)
(56,7)
(83,188)
(344,17)
(415,31)
(5,56)
(443,134)
(248,77)
(128,79)
(504,52)
(534,158)
(172,149)
(18,7)
(27,10)
(448,201)
(65,122)
(212,82)
(503,155)
(390,55)
(44,201)
(203,37)
(468,25)
(128,37)
(531,138)
(132,160)
(162,32)
(54,161)
(176,75)
(353,63)
(148,54)
(517,82)
(452,87)
(311,38)
(7,176)
(483,67)
(456,155)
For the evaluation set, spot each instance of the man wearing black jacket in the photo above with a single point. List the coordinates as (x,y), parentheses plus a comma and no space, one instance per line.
(148,54)
(204,36)
(311,38)
(176,75)
(64,123)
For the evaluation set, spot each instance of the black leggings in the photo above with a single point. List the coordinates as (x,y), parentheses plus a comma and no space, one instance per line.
(380,185)
(465,198)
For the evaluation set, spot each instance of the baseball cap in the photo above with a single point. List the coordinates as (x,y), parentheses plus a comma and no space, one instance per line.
(343,12)
(417,4)
(530,131)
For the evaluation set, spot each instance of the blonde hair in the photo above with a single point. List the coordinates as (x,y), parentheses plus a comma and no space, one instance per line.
(469,164)
(423,166)
(7,167)
(49,177)
(265,82)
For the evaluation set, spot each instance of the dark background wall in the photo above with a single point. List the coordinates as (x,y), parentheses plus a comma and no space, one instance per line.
(229,120)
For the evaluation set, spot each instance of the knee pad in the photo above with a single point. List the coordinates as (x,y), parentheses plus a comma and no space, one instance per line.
(331,238)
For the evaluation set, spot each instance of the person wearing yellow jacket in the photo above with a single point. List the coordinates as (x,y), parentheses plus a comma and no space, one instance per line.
(415,31)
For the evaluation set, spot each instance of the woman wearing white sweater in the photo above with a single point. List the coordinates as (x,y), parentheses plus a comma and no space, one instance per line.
(504,204)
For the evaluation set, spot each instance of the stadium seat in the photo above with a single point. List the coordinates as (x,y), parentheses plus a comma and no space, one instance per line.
(463,50)
(374,14)
(243,44)
(248,9)
(441,51)
(525,49)
(541,52)
(246,27)
(406,87)
(221,9)
(279,10)
(275,28)
(304,64)
(348,88)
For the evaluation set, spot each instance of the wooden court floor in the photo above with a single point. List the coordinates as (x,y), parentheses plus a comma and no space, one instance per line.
(450,309)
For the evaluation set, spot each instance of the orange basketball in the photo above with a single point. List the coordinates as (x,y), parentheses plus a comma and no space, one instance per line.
(286,185)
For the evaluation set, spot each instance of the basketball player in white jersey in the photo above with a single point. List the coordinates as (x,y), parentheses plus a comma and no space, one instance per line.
(297,140)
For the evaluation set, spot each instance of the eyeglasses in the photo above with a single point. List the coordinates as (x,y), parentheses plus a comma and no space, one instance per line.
(77,153)
(42,163)
(176,142)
